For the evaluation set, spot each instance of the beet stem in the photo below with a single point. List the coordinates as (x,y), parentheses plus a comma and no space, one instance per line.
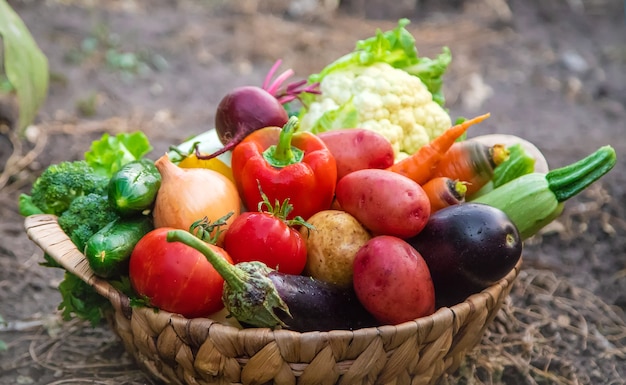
(273,88)
(270,74)
(234,141)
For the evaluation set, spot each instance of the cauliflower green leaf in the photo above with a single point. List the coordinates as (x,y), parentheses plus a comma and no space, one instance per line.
(383,86)
(396,48)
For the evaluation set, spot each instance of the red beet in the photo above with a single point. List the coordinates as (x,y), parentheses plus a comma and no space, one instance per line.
(249,108)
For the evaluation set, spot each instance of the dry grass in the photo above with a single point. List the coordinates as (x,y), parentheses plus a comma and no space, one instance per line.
(550,331)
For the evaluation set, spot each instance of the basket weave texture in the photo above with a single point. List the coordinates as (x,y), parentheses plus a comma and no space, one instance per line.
(177,350)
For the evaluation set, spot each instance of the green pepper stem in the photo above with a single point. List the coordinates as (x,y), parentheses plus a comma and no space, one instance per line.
(234,276)
(565,182)
(283,154)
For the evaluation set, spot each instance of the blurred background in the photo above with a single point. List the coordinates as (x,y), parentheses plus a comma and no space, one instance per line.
(552,72)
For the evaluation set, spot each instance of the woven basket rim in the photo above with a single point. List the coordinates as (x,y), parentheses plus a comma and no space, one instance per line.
(43,230)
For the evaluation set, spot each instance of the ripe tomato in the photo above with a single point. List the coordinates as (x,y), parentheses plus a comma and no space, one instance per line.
(261,236)
(175,277)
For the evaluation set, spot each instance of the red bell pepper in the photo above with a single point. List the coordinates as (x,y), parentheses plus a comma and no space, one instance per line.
(285,164)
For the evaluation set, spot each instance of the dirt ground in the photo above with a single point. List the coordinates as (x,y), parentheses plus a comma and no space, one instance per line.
(553,72)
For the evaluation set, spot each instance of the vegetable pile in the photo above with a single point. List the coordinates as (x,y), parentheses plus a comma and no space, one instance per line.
(348,200)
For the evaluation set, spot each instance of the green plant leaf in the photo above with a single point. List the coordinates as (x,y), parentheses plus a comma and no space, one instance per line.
(25,65)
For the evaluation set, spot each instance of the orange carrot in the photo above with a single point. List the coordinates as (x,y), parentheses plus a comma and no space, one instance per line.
(422,164)
(443,192)
(472,162)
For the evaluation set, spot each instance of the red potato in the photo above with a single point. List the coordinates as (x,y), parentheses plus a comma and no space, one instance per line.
(357,149)
(392,281)
(385,202)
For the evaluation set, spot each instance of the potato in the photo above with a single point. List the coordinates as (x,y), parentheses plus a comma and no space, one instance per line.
(332,245)
(392,281)
(357,148)
(385,202)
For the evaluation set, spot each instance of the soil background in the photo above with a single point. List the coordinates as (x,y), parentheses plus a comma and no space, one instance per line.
(553,72)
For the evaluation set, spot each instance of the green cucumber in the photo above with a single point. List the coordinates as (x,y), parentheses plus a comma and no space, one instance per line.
(133,188)
(108,250)
(533,200)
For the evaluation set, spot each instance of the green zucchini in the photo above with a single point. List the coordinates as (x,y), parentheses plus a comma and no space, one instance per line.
(133,188)
(533,200)
(108,250)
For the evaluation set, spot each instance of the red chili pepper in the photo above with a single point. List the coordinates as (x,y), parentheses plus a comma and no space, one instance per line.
(285,165)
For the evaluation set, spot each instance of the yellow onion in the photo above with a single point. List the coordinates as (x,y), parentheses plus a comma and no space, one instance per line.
(187,195)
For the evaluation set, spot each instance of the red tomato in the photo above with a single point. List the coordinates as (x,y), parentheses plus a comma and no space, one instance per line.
(260,236)
(175,277)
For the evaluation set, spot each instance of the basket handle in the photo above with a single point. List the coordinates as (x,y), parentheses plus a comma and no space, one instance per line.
(45,232)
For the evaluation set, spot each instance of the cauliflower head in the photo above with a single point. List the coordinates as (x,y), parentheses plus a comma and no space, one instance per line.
(380,98)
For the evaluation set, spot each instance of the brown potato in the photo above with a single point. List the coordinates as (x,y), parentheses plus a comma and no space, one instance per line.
(332,245)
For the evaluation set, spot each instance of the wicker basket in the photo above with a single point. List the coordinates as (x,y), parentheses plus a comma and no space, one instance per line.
(177,350)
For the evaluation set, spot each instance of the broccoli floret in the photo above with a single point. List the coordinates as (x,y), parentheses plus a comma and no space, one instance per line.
(61,183)
(85,216)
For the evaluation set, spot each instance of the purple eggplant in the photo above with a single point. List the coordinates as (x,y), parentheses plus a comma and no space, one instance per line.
(467,247)
(259,296)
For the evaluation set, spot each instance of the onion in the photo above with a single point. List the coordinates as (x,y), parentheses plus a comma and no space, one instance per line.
(188,195)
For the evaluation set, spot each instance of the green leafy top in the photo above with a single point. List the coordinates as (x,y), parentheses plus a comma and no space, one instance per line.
(25,65)
(110,153)
(396,48)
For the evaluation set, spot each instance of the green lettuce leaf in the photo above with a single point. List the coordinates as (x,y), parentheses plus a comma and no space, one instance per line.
(110,153)
(25,66)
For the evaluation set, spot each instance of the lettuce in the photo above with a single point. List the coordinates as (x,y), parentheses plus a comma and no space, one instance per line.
(110,153)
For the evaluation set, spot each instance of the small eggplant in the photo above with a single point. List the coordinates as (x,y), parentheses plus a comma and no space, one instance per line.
(259,296)
(467,247)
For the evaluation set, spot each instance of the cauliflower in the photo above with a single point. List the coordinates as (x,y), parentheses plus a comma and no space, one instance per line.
(384,86)
(384,99)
